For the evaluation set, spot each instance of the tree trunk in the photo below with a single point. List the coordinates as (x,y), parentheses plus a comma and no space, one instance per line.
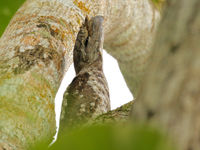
(36,50)
(170,94)
(131,38)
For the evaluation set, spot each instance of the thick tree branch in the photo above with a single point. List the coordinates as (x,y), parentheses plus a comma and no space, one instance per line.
(36,50)
(118,115)
(170,96)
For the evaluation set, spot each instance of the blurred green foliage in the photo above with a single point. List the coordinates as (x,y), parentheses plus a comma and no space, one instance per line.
(7,10)
(158,3)
(111,137)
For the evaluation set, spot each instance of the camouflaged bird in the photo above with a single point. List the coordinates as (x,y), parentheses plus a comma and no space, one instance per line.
(88,94)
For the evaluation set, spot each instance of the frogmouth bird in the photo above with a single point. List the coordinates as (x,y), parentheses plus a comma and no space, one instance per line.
(88,95)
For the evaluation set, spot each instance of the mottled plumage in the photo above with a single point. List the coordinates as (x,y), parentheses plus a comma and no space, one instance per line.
(88,95)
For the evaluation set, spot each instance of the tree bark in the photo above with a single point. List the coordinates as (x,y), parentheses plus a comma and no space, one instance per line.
(88,95)
(170,93)
(121,114)
(131,38)
(36,50)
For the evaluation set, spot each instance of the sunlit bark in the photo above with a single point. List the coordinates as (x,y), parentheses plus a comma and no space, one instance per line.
(36,50)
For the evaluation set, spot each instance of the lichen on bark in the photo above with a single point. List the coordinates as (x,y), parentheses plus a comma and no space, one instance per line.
(28,80)
(121,114)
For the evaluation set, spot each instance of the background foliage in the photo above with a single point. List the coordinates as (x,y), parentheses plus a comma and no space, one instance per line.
(7,10)
(111,137)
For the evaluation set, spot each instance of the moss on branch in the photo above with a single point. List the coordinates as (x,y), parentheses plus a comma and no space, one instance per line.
(120,114)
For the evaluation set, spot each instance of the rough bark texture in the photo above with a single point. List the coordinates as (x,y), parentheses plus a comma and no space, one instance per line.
(121,114)
(36,49)
(170,95)
(88,94)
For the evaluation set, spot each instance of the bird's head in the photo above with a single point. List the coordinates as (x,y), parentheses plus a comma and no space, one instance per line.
(89,44)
